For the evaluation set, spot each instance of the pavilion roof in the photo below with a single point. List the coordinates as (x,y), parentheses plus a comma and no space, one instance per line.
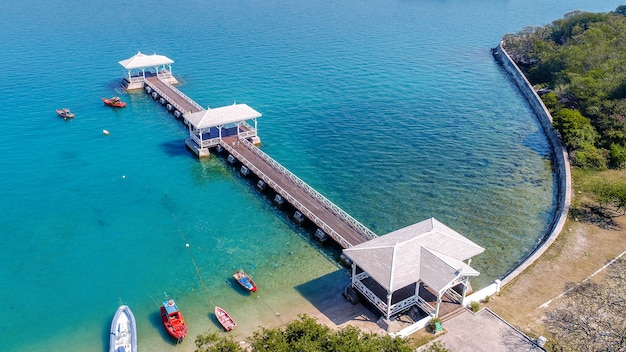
(428,251)
(140,60)
(222,116)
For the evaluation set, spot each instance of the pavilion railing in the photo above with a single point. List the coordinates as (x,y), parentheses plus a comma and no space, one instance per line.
(425,306)
(371,297)
(291,199)
(340,212)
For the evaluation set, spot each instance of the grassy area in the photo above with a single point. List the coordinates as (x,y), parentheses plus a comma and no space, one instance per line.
(582,247)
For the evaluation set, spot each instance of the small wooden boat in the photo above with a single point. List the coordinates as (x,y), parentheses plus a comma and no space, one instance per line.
(225,320)
(245,280)
(123,337)
(173,320)
(65,113)
(115,102)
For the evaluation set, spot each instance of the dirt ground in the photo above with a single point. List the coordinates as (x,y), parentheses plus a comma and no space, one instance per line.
(584,246)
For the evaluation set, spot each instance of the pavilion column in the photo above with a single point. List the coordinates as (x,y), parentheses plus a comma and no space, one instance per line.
(353,274)
(388,315)
(438,304)
(465,281)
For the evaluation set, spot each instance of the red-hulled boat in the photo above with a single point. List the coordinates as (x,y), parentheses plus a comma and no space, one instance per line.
(173,320)
(115,102)
(225,320)
(65,113)
(245,280)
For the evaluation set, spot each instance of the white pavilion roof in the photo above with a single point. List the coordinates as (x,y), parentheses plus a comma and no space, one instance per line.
(222,116)
(141,60)
(428,251)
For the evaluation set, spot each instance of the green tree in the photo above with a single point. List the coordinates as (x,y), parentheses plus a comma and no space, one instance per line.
(581,59)
(611,194)
(305,335)
(212,342)
(576,130)
(617,156)
(621,10)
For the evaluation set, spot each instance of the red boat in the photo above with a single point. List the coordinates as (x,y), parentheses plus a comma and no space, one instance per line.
(65,113)
(173,320)
(115,102)
(245,280)
(227,322)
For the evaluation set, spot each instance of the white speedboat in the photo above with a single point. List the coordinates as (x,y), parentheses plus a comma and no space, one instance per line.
(123,336)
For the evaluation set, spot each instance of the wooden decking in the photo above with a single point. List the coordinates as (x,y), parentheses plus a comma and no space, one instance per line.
(173,96)
(340,226)
(336,223)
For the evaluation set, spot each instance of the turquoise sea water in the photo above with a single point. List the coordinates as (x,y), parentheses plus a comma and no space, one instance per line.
(394,110)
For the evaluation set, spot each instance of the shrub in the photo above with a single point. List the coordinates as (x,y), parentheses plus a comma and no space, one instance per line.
(474,306)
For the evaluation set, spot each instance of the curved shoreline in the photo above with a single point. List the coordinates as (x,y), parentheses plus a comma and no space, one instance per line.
(561,163)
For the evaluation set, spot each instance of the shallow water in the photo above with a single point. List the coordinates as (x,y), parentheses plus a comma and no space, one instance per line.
(393,110)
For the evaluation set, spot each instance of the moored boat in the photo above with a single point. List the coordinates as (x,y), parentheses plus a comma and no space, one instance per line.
(65,113)
(115,102)
(245,280)
(224,318)
(123,337)
(173,320)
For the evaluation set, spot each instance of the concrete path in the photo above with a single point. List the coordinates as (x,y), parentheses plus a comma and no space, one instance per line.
(483,331)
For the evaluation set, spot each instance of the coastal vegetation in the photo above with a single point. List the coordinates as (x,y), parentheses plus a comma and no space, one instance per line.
(577,65)
(304,334)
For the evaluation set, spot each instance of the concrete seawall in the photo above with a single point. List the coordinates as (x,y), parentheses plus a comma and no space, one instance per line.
(561,162)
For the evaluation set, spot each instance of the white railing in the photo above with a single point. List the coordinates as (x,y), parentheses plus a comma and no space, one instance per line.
(164,96)
(296,203)
(182,95)
(295,179)
(403,305)
(452,294)
(205,143)
(426,307)
(377,302)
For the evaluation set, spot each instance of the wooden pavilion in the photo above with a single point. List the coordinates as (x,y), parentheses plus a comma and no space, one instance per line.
(208,127)
(141,66)
(395,271)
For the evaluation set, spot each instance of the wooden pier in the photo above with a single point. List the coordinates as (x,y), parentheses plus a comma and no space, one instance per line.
(343,228)
(328,217)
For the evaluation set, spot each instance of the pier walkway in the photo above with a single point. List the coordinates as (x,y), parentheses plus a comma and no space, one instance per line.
(328,217)
(336,223)
(173,96)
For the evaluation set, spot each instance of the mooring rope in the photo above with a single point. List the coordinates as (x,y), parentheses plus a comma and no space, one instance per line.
(193,261)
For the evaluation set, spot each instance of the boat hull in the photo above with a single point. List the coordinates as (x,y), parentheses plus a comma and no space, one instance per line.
(123,337)
(245,281)
(173,320)
(65,114)
(224,319)
(113,103)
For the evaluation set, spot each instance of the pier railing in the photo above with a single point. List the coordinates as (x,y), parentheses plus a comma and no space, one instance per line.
(295,202)
(182,95)
(171,101)
(310,190)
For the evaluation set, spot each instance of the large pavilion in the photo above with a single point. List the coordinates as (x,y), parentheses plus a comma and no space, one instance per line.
(141,66)
(393,272)
(208,127)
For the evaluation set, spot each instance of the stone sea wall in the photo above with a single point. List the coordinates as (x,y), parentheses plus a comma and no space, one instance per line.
(560,162)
